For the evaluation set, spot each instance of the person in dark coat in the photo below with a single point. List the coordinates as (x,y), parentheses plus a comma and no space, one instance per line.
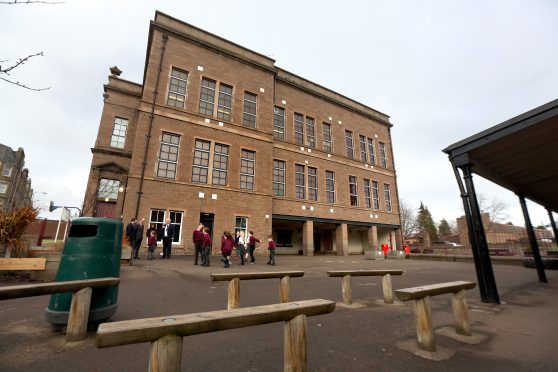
(197,239)
(138,237)
(131,231)
(167,233)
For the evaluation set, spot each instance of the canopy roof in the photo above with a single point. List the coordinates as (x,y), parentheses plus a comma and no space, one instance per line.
(520,154)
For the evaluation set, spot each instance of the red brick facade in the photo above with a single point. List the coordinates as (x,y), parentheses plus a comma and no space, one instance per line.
(174,44)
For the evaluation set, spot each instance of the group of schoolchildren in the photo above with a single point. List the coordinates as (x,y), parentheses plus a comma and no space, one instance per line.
(245,246)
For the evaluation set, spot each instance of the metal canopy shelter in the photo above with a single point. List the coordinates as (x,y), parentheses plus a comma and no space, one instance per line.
(521,155)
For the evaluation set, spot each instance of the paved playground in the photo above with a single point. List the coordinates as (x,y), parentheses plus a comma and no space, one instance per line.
(522,332)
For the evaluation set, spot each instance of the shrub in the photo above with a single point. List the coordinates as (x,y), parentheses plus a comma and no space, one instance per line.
(12,226)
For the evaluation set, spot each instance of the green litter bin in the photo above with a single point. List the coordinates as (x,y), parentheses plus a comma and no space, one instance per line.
(92,250)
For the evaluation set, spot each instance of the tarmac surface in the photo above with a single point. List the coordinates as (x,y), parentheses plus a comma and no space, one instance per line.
(522,332)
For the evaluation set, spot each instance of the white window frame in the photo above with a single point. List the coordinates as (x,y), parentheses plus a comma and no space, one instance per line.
(177,224)
(9,169)
(170,144)
(375,195)
(355,194)
(387,197)
(119,130)
(3,187)
(284,170)
(367,196)
(310,188)
(245,175)
(158,224)
(327,137)
(279,118)
(383,155)
(175,95)
(310,132)
(245,113)
(328,191)
(108,188)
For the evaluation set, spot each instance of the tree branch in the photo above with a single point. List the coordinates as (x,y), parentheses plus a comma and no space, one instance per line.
(20,62)
(23,85)
(16,2)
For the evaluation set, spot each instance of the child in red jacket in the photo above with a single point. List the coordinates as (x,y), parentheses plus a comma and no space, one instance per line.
(151,245)
(271,248)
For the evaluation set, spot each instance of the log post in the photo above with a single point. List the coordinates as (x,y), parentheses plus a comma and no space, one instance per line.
(166,354)
(234,294)
(346,290)
(284,289)
(425,336)
(79,315)
(461,313)
(295,345)
(388,290)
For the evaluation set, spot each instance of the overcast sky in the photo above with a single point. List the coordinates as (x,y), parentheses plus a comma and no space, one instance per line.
(442,70)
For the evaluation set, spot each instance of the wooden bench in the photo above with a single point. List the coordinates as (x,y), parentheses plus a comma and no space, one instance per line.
(22,264)
(421,296)
(234,283)
(81,299)
(346,289)
(166,333)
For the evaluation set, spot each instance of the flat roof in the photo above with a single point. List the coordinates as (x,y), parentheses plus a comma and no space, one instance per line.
(520,154)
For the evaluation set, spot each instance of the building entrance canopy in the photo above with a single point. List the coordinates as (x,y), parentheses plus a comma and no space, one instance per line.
(520,155)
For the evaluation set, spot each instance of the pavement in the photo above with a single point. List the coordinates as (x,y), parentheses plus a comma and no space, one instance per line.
(521,333)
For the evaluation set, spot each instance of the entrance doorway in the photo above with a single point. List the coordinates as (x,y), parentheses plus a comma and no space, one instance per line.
(317,242)
(207,220)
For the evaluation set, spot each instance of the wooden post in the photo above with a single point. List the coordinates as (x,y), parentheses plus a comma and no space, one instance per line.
(346,290)
(234,294)
(284,289)
(166,354)
(461,313)
(425,336)
(388,291)
(79,315)
(295,345)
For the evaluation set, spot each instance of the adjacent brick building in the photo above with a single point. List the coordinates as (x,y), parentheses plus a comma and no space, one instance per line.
(15,184)
(217,133)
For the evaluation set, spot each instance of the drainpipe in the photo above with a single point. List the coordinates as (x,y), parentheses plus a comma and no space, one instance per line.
(402,235)
(148,136)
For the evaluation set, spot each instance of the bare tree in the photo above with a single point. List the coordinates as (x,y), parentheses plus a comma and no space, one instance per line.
(495,208)
(409,224)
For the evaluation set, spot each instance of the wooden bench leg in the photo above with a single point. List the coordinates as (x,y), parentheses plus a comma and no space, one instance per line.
(79,315)
(461,313)
(284,289)
(346,290)
(234,294)
(295,345)
(166,354)
(425,336)
(388,290)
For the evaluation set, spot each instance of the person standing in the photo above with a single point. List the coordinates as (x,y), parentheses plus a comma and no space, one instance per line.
(227,245)
(131,232)
(271,249)
(138,238)
(167,233)
(151,244)
(385,249)
(240,246)
(252,246)
(197,238)
(207,244)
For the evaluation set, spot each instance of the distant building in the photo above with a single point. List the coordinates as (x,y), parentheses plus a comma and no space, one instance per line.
(500,233)
(15,184)
(216,133)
